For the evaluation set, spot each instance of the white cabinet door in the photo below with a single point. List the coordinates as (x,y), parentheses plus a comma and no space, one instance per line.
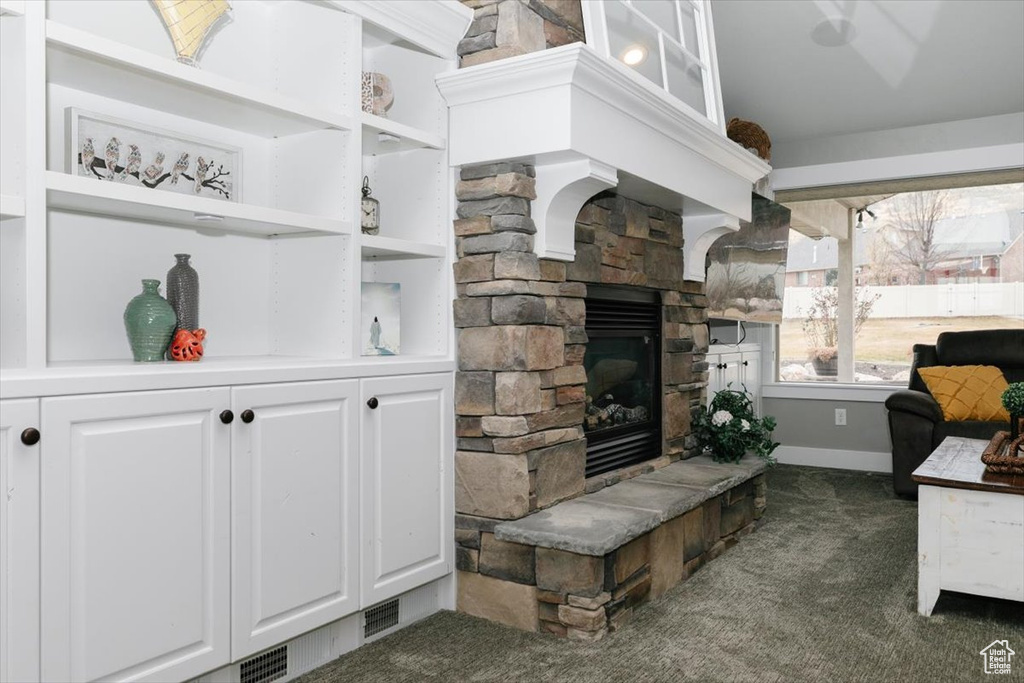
(406,485)
(294,510)
(725,369)
(135,536)
(19,542)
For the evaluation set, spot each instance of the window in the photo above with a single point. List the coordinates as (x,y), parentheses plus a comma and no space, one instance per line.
(924,263)
(666,42)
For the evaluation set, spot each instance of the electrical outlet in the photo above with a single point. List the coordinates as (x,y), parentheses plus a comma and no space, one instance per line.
(841,417)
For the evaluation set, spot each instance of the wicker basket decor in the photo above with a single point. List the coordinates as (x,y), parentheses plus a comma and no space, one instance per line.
(1000,456)
(750,135)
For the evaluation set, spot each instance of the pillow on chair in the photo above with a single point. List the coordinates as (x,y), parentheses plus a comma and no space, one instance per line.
(967,392)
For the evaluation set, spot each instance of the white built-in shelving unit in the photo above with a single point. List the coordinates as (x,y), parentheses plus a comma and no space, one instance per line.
(280,270)
(148,457)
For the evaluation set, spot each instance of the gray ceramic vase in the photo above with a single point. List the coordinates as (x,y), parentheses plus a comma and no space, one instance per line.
(183,293)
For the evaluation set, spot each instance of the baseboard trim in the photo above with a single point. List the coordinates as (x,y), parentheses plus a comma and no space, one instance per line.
(868,461)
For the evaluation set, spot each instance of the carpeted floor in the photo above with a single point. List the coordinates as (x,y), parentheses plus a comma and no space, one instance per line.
(824,591)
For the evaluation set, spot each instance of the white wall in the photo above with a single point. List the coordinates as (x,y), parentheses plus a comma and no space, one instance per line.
(928,301)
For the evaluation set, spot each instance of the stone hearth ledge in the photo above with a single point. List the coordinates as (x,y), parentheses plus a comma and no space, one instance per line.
(599,523)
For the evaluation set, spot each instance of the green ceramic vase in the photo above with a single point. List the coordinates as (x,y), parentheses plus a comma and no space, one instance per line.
(149,321)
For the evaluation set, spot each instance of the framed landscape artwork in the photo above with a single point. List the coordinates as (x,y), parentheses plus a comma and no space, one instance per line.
(114,150)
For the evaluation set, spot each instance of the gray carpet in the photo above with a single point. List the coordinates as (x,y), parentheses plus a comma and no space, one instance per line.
(824,591)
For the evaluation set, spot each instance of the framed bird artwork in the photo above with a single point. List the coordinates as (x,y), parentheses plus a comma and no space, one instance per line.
(114,150)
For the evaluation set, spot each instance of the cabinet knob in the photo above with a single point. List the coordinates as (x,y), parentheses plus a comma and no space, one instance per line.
(724,366)
(373,403)
(30,437)
(227,417)
(746,363)
(248,416)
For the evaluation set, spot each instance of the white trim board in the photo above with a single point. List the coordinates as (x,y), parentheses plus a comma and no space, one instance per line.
(928,164)
(866,461)
(865,393)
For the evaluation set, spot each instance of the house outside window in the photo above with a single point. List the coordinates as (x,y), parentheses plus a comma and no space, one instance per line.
(929,262)
(669,43)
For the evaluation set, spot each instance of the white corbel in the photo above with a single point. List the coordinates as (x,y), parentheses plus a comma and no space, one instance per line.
(699,233)
(562,190)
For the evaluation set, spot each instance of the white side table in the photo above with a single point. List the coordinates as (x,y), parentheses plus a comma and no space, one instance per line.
(970,526)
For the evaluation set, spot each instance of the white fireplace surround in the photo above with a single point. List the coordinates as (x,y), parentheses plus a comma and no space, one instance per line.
(588,124)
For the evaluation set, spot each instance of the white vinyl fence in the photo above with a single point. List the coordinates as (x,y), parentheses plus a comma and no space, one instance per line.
(928,301)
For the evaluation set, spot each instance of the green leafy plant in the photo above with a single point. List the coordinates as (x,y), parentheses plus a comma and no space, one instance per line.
(1013,399)
(728,429)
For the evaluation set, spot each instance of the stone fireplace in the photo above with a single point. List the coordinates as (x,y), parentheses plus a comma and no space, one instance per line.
(586,204)
(574,377)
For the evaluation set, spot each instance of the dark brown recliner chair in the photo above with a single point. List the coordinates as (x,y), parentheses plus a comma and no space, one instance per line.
(916,426)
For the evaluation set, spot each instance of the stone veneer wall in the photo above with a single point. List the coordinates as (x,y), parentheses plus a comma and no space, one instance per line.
(507,28)
(520,386)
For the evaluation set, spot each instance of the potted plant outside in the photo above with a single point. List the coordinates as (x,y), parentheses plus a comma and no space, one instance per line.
(821,327)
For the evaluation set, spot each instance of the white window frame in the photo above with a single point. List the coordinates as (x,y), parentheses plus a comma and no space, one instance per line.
(596,28)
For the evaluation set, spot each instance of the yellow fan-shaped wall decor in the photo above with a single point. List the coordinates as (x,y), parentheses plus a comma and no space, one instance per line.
(189,22)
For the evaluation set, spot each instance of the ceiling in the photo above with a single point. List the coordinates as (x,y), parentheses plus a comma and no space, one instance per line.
(907,63)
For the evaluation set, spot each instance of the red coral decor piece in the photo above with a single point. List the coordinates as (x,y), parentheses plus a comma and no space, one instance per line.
(188,345)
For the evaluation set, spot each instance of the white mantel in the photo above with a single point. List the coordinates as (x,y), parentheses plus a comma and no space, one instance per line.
(588,124)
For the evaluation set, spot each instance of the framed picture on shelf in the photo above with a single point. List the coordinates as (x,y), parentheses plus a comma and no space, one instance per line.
(381,318)
(114,150)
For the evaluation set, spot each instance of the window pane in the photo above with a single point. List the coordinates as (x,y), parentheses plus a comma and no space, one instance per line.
(923,264)
(808,335)
(633,41)
(939,261)
(690,40)
(685,78)
(662,13)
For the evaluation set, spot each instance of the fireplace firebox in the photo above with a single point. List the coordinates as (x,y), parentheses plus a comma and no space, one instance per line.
(623,365)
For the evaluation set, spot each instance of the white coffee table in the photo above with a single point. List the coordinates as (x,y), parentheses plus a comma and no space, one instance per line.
(970,526)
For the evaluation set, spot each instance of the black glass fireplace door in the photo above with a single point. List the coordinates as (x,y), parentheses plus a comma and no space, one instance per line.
(622,421)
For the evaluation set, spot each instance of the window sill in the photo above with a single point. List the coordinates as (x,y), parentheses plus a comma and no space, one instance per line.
(867,393)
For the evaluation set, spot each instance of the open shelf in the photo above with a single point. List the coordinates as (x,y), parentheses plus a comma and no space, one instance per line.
(12,8)
(86,195)
(375,247)
(11,207)
(408,137)
(84,61)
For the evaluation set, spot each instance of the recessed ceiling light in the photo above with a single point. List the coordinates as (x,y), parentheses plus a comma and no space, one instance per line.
(834,32)
(634,55)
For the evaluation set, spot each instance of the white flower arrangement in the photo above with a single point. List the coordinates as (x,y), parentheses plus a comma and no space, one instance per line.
(721,418)
(728,429)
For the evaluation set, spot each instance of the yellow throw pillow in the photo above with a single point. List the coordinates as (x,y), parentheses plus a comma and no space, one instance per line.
(967,392)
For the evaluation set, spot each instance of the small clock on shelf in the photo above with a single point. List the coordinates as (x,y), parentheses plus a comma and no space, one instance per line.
(369,210)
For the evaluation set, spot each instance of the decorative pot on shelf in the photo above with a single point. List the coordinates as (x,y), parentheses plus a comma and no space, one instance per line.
(376,93)
(149,321)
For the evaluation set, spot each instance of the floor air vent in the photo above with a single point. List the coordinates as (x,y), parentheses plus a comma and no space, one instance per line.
(269,666)
(380,618)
